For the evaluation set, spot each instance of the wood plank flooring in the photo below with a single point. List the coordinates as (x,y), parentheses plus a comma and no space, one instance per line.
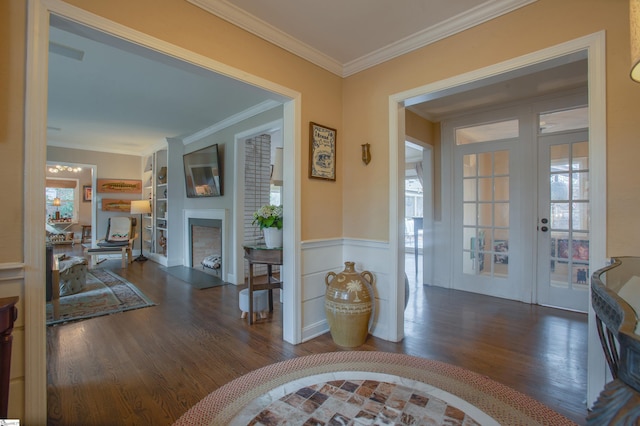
(148,366)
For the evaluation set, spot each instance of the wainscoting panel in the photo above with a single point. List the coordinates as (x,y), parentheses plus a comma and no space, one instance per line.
(320,257)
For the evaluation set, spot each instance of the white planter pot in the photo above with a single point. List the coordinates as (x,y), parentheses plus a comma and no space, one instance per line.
(272,237)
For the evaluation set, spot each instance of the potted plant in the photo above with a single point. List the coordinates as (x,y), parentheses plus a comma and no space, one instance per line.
(269,219)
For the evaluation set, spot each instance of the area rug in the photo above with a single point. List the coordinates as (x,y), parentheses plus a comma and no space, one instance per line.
(105,293)
(359,387)
(194,277)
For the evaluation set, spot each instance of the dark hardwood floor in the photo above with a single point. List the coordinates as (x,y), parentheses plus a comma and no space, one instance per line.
(148,366)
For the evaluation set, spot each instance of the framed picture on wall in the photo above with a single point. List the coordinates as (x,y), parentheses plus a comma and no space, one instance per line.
(322,152)
(87,193)
(116,205)
(123,186)
(202,172)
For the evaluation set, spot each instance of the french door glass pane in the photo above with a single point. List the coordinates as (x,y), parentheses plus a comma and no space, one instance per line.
(486,214)
(469,190)
(469,165)
(501,188)
(569,214)
(485,189)
(470,214)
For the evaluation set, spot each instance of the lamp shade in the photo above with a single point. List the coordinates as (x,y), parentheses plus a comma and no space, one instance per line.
(140,207)
(276,175)
(634,30)
(56,202)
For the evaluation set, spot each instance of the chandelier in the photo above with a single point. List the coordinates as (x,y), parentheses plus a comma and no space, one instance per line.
(58,168)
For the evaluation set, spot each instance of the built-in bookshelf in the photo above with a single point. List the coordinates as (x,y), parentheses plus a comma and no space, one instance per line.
(155,188)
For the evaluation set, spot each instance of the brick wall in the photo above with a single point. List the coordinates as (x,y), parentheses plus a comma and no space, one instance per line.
(205,241)
(257,175)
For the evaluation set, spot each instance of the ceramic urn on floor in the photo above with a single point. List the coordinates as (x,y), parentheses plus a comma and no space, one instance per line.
(349,305)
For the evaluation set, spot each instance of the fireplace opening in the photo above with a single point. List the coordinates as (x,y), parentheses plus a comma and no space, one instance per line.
(206,245)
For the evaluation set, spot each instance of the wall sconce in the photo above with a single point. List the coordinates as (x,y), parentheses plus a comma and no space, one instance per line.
(634,29)
(366,153)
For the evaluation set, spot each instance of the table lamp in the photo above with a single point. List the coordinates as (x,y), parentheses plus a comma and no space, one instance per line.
(56,203)
(140,207)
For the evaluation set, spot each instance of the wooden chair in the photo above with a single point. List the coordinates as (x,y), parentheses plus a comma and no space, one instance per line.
(86,234)
(121,232)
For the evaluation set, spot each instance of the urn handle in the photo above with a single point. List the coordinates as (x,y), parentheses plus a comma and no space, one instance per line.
(368,276)
(326,277)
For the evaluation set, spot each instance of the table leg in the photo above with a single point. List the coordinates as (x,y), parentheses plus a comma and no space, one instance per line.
(416,233)
(250,293)
(269,280)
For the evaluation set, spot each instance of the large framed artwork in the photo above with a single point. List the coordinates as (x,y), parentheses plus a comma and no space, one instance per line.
(115,205)
(322,152)
(121,186)
(202,173)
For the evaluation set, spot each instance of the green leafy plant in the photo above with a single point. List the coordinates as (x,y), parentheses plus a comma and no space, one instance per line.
(268,216)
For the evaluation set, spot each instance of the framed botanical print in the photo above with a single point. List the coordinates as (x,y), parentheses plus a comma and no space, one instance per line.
(322,152)
(87,192)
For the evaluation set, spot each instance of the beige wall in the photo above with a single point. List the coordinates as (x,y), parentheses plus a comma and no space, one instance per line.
(537,26)
(356,106)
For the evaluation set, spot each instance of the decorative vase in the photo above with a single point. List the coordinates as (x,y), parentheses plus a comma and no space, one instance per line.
(272,237)
(162,175)
(349,304)
(163,242)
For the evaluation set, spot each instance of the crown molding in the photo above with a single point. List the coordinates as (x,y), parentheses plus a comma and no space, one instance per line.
(468,19)
(103,148)
(475,16)
(230,121)
(268,32)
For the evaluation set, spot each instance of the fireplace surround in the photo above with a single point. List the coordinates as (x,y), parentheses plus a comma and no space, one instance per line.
(209,227)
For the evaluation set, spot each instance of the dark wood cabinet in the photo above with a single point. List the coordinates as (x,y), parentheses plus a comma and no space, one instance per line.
(8,315)
(615,296)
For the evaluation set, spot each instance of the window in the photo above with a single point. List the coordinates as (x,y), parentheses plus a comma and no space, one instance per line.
(500,130)
(413,205)
(68,193)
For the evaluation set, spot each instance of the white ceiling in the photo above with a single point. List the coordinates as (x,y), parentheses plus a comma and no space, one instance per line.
(120,97)
(347,36)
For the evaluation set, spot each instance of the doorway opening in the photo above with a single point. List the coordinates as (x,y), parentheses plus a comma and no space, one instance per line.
(493,80)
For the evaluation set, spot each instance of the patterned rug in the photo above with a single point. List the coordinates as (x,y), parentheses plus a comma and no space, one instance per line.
(105,293)
(358,388)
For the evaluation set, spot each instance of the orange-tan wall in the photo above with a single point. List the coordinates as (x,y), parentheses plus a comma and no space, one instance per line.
(429,133)
(12,69)
(534,27)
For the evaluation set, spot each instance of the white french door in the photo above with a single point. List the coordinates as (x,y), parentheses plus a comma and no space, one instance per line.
(563,216)
(487,241)
(520,226)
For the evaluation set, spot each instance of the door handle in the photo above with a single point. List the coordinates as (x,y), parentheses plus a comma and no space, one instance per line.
(544,220)
(544,229)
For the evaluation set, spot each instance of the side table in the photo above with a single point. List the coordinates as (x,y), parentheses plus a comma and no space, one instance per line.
(261,255)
